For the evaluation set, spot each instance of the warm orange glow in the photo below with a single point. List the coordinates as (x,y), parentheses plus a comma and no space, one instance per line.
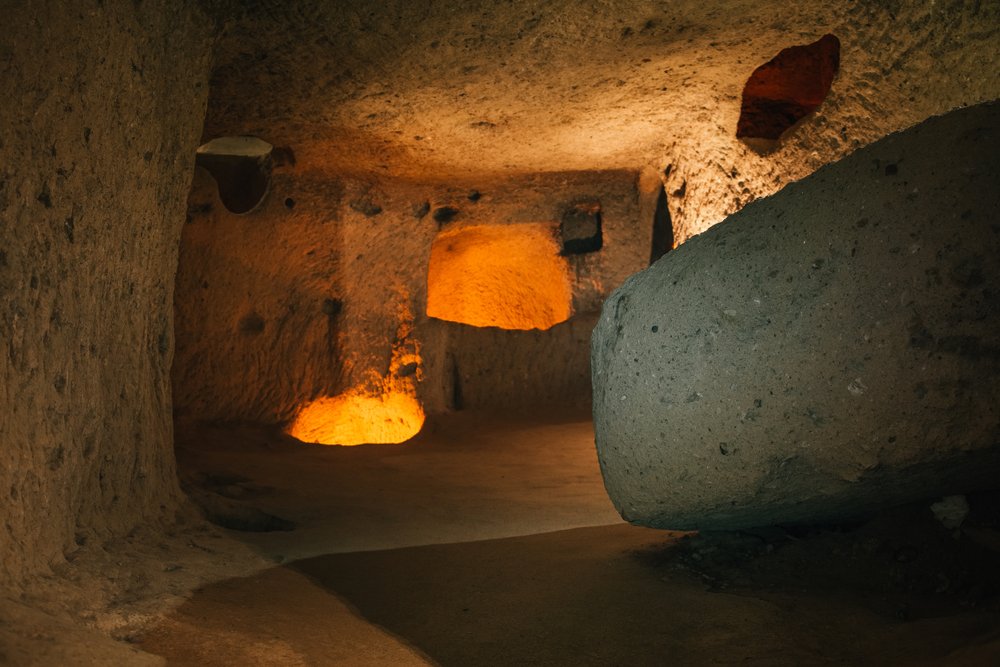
(507,276)
(356,418)
(379,411)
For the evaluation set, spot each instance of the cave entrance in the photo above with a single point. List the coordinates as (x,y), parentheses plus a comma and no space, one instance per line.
(663,228)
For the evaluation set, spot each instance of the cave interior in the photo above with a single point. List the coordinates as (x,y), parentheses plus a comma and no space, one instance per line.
(302,305)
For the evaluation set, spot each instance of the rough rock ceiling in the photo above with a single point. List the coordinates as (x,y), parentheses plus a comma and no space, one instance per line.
(434,90)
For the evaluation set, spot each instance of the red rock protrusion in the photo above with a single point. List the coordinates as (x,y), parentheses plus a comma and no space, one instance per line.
(787,88)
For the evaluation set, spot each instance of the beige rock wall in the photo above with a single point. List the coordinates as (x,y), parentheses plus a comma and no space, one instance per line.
(103,108)
(305,296)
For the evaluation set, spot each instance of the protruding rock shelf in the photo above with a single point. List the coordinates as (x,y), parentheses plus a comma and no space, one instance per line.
(826,351)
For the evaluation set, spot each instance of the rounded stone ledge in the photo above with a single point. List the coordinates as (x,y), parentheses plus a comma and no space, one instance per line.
(825,352)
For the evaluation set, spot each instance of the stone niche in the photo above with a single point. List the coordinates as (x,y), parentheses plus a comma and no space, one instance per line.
(786,89)
(829,350)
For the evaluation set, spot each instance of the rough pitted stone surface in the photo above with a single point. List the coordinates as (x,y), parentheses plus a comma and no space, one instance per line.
(829,350)
(488,90)
(97,149)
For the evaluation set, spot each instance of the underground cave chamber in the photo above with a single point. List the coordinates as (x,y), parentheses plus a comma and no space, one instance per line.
(398,223)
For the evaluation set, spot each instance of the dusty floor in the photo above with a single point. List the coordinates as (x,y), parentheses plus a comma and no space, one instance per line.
(468,477)
(481,543)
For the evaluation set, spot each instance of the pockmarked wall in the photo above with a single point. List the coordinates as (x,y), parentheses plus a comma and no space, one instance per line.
(103,108)
(323,288)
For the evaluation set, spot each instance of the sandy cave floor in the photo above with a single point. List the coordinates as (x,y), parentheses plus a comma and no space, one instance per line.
(488,543)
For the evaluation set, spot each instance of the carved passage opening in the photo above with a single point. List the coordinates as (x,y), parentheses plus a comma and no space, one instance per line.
(787,88)
(663,228)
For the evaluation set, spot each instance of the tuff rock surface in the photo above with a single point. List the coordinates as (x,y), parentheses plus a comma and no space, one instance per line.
(826,351)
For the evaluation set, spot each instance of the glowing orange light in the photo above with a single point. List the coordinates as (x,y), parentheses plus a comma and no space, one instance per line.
(506,276)
(356,418)
(380,410)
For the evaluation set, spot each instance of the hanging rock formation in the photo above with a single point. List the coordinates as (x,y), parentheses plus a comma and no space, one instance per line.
(829,350)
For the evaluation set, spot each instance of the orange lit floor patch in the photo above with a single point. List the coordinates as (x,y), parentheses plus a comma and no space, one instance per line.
(506,276)
(356,418)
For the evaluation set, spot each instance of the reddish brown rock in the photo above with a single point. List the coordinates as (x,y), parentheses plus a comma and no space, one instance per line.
(787,88)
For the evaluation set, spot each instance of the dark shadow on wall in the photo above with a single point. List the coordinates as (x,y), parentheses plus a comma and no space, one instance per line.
(663,228)
(786,89)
